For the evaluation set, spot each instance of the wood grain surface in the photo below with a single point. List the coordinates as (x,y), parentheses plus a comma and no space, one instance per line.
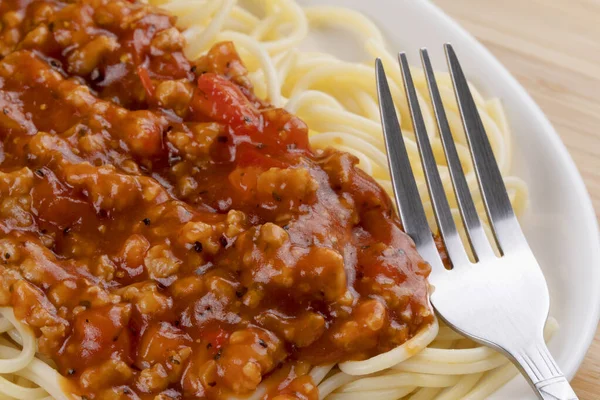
(553,48)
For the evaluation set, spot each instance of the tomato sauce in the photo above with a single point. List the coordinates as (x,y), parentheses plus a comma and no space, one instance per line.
(167,234)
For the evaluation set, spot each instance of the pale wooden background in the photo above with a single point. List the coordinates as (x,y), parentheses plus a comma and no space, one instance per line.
(553,48)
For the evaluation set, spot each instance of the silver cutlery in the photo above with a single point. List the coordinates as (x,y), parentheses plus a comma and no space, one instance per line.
(499,301)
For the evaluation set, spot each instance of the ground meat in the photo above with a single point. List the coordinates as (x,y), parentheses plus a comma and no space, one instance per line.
(111,372)
(165,234)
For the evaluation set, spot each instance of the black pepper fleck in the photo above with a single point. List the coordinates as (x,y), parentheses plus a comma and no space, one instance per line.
(198,247)
(262,343)
(218,355)
(223,241)
(146,221)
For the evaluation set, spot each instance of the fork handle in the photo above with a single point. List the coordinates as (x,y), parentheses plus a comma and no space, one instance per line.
(543,373)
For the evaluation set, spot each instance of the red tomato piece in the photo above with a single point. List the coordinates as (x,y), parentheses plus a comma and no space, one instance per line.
(216,338)
(223,101)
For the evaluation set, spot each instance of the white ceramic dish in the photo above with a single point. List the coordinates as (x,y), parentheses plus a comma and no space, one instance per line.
(560,224)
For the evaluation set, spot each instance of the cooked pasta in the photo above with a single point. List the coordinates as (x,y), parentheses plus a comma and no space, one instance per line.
(337,100)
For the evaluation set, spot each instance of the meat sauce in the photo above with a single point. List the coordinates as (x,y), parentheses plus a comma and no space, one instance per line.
(168,235)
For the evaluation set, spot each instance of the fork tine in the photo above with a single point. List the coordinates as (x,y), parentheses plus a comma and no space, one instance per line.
(506,229)
(447,227)
(407,195)
(475,233)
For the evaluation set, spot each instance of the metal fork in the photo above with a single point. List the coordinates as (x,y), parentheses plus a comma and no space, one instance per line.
(501,302)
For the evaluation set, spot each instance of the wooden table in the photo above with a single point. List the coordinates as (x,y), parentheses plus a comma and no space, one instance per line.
(553,48)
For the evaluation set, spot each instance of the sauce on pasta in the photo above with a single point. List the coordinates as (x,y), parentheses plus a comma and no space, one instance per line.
(168,235)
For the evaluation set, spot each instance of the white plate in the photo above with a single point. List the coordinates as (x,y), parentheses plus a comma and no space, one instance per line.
(560,225)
